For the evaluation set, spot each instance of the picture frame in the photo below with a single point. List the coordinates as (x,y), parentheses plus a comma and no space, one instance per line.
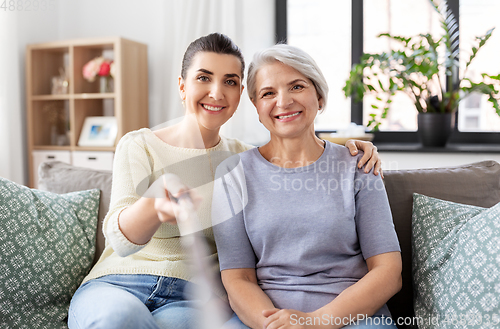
(98,131)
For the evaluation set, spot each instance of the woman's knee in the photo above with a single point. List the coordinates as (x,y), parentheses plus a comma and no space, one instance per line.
(101,306)
(179,315)
(234,323)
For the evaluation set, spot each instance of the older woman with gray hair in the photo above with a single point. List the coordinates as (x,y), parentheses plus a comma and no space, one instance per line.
(305,238)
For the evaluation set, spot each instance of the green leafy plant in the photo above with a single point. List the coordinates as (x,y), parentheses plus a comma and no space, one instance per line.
(425,68)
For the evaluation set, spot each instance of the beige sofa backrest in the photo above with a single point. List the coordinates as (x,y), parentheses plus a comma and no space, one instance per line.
(476,184)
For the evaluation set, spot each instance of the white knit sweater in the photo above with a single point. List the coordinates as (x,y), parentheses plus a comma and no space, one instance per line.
(140,158)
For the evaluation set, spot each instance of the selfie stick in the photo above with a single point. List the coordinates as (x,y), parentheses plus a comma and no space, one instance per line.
(196,246)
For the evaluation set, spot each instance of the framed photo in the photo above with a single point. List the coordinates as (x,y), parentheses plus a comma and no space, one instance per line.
(98,131)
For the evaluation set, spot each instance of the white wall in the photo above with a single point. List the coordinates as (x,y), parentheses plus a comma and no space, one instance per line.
(17,29)
(153,22)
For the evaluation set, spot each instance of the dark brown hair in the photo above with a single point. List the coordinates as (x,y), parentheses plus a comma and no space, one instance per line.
(216,43)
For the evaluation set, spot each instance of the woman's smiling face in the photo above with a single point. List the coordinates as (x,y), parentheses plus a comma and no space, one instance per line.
(286,100)
(212,88)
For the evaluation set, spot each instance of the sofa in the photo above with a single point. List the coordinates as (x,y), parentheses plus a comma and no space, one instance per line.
(476,184)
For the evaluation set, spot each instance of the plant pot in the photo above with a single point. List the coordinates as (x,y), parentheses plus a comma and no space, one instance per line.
(434,129)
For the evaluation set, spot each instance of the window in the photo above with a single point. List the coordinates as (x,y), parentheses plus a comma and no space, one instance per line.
(335,33)
(477,17)
(390,16)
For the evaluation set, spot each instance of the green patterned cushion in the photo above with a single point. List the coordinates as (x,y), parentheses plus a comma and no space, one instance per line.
(456,264)
(47,244)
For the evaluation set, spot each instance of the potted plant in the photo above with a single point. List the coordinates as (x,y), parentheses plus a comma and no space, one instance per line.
(427,70)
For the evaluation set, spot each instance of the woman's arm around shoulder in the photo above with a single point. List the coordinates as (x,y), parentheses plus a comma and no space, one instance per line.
(371,158)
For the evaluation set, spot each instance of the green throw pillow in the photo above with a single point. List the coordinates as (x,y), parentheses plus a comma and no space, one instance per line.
(456,264)
(47,244)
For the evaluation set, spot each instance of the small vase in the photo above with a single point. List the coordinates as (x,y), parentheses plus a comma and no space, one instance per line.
(106,84)
(434,129)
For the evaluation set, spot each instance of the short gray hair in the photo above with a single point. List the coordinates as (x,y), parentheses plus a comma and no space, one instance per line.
(294,57)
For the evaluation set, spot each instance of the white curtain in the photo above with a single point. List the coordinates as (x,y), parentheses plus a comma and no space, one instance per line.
(12,130)
(191,19)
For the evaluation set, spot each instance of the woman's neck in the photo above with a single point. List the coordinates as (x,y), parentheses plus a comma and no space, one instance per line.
(189,134)
(293,152)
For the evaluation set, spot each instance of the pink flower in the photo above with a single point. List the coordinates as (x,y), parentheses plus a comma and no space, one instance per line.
(97,66)
(104,69)
(91,69)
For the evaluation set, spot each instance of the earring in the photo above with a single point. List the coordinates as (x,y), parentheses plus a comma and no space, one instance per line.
(183,103)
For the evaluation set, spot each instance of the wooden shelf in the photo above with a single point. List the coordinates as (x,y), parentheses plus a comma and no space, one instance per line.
(94,96)
(93,149)
(72,148)
(59,119)
(51,148)
(51,97)
(72,96)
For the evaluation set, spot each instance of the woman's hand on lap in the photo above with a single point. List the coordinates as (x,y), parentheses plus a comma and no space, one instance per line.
(287,318)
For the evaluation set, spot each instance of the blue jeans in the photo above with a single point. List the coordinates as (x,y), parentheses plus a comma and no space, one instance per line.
(374,322)
(234,323)
(133,301)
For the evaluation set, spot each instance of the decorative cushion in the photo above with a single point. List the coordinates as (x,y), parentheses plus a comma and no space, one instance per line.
(456,267)
(60,177)
(476,184)
(47,244)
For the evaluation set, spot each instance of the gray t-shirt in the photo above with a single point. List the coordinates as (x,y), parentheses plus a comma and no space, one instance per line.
(307,231)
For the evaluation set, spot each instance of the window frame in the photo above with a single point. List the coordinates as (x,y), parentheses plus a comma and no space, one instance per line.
(457,137)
